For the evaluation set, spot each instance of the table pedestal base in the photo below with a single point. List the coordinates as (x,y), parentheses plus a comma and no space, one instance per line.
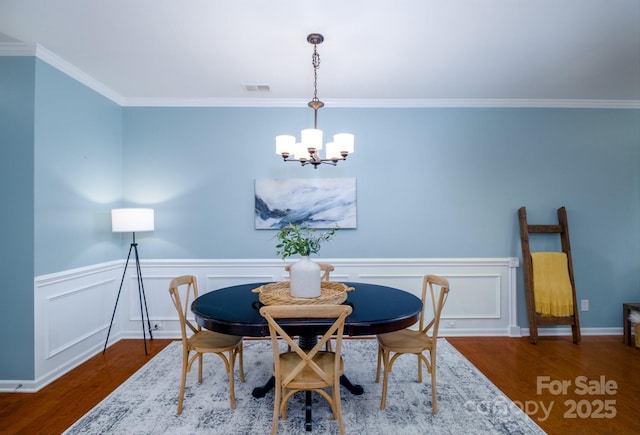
(260,392)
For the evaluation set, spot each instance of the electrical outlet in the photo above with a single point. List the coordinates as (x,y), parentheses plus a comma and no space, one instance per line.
(156,325)
(584,305)
(451,324)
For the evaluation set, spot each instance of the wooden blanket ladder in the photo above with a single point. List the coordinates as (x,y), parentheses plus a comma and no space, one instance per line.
(535,318)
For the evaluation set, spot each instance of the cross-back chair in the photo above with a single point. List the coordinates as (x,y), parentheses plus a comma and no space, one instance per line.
(435,290)
(200,341)
(306,369)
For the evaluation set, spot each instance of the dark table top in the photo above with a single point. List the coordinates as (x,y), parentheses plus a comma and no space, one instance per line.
(376,309)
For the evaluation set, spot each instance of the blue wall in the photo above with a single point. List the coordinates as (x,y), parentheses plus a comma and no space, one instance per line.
(60,175)
(430,183)
(17,89)
(78,173)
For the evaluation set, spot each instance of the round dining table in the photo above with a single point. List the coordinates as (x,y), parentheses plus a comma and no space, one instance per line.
(377,309)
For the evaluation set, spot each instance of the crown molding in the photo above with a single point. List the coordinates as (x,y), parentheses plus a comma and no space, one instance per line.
(25,49)
(17,49)
(388,103)
(77,74)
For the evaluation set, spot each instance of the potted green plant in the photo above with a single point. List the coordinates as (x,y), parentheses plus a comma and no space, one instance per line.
(301,240)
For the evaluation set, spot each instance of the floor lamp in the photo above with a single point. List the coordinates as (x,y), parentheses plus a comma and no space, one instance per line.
(125,220)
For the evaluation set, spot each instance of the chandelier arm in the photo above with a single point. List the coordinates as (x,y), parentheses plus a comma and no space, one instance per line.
(331,161)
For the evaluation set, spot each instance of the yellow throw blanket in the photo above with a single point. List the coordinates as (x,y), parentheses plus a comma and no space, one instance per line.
(551,284)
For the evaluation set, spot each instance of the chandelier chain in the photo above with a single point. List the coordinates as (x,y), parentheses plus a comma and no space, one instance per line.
(315,60)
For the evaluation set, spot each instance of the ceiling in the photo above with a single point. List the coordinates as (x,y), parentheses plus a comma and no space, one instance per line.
(375,53)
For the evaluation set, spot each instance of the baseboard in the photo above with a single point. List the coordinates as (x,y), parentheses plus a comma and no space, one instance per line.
(559,331)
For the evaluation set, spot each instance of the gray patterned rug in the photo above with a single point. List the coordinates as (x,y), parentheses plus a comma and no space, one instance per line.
(468,403)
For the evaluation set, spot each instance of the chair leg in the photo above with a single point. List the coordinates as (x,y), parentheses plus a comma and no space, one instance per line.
(183,382)
(378,367)
(230,365)
(385,379)
(284,397)
(276,410)
(419,369)
(240,363)
(338,406)
(200,368)
(434,398)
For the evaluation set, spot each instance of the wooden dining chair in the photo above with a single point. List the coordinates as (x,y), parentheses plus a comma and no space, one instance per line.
(306,369)
(325,268)
(200,341)
(416,342)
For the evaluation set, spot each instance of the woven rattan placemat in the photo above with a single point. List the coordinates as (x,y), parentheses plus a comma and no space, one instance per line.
(277,293)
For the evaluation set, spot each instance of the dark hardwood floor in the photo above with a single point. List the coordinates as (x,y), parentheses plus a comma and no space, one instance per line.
(546,379)
(57,406)
(573,383)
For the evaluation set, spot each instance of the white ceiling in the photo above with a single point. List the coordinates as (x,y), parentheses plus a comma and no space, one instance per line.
(376,52)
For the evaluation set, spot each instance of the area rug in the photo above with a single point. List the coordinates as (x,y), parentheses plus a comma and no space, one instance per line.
(468,403)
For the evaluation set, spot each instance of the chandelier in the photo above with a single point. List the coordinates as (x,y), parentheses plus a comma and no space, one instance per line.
(306,151)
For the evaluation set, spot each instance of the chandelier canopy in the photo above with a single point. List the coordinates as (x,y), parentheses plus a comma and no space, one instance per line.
(306,151)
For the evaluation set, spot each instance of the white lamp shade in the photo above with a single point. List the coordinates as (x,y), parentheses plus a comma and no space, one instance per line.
(332,151)
(285,144)
(344,142)
(311,138)
(301,152)
(131,220)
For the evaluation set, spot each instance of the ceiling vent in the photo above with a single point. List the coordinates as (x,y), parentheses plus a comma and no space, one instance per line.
(256,88)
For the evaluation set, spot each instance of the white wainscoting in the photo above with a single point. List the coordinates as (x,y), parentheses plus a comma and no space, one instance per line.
(73,308)
(71,316)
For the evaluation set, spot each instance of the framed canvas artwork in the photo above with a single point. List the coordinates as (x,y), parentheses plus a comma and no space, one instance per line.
(318,203)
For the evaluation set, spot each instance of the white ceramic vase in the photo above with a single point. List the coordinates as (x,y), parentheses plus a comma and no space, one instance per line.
(304,278)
